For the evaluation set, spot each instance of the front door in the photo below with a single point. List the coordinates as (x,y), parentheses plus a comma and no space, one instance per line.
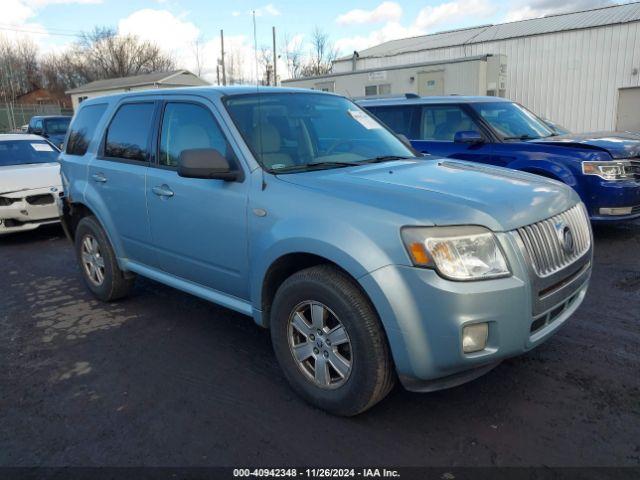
(437,128)
(198,226)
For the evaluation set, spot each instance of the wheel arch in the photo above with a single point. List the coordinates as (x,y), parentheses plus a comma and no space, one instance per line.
(287,265)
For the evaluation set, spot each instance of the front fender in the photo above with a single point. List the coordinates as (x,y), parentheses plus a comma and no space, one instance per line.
(338,242)
(555,168)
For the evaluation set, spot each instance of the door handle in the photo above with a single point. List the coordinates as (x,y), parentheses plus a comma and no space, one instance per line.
(162,191)
(99,177)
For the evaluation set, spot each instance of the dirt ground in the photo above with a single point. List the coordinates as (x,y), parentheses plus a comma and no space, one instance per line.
(164,378)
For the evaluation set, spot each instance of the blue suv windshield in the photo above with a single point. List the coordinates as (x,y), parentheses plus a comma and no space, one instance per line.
(512,121)
(303,131)
(56,126)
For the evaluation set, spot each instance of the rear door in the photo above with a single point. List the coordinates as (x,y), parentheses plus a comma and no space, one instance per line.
(198,226)
(438,125)
(117,176)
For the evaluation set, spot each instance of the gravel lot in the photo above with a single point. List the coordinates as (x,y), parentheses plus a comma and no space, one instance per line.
(164,378)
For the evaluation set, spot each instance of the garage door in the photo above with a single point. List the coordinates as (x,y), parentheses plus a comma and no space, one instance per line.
(628,110)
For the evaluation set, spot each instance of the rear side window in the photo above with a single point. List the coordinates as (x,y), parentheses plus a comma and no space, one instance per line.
(398,119)
(188,126)
(83,128)
(129,131)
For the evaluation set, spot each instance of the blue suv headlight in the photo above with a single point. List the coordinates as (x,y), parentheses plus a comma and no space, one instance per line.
(457,253)
(610,170)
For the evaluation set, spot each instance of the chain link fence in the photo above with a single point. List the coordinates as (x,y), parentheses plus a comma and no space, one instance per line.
(15,115)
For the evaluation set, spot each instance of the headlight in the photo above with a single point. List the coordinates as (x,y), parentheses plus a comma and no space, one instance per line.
(458,253)
(612,170)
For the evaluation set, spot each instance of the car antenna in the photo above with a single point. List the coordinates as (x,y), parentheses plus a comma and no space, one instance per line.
(255,51)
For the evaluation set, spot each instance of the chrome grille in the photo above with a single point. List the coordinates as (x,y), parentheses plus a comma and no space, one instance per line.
(634,169)
(543,243)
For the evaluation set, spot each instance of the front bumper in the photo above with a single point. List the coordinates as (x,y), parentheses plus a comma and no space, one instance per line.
(613,194)
(424,315)
(29,209)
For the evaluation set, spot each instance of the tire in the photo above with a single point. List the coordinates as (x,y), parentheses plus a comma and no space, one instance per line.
(344,391)
(92,246)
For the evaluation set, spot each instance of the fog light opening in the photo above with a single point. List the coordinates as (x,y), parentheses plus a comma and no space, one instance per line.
(616,211)
(474,337)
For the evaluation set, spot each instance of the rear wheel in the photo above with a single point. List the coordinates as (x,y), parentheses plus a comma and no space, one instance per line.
(98,263)
(329,341)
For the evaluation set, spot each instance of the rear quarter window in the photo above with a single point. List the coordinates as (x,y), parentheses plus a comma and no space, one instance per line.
(83,128)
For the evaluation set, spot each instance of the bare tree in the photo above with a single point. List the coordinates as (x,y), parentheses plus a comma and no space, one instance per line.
(321,56)
(198,54)
(291,51)
(19,70)
(234,67)
(265,63)
(106,54)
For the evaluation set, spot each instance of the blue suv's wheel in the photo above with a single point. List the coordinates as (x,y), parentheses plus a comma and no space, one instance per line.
(329,341)
(98,263)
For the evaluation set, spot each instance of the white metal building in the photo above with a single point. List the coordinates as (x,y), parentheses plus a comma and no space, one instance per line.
(579,69)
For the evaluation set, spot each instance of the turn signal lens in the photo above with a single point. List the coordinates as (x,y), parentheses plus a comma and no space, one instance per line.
(419,254)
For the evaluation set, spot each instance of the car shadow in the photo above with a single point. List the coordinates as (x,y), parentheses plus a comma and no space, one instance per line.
(43,233)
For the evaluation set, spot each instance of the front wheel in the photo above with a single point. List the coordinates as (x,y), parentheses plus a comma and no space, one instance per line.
(329,341)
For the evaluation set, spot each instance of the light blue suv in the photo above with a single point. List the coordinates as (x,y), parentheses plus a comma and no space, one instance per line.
(368,263)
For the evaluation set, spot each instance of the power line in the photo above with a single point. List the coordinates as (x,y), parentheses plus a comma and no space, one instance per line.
(41,32)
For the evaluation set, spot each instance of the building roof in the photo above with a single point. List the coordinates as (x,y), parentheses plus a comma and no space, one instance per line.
(134,81)
(597,17)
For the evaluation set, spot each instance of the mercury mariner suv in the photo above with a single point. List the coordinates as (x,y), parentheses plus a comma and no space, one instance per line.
(368,263)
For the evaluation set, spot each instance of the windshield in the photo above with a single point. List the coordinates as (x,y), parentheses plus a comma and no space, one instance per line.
(56,126)
(21,152)
(300,131)
(512,121)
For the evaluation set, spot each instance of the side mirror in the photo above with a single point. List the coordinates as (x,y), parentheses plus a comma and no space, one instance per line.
(205,163)
(37,131)
(471,137)
(404,140)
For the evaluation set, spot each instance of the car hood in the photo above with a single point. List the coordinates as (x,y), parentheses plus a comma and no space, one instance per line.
(16,178)
(446,192)
(618,144)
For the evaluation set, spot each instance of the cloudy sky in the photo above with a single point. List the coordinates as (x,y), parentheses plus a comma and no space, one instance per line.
(176,24)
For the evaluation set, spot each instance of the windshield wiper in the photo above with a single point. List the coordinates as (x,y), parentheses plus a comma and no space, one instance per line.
(312,166)
(521,137)
(385,158)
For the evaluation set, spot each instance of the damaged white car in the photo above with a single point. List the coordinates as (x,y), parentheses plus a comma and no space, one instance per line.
(29,182)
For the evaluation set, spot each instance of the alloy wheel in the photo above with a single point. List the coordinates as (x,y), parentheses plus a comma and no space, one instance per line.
(320,344)
(92,260)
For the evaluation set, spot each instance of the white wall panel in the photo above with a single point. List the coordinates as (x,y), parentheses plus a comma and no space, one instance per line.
(572,76)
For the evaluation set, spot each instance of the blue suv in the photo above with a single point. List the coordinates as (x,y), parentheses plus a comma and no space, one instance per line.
(604,168)
(301,210)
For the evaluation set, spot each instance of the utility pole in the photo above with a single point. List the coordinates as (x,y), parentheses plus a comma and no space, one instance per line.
(275,59)
(224,75)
